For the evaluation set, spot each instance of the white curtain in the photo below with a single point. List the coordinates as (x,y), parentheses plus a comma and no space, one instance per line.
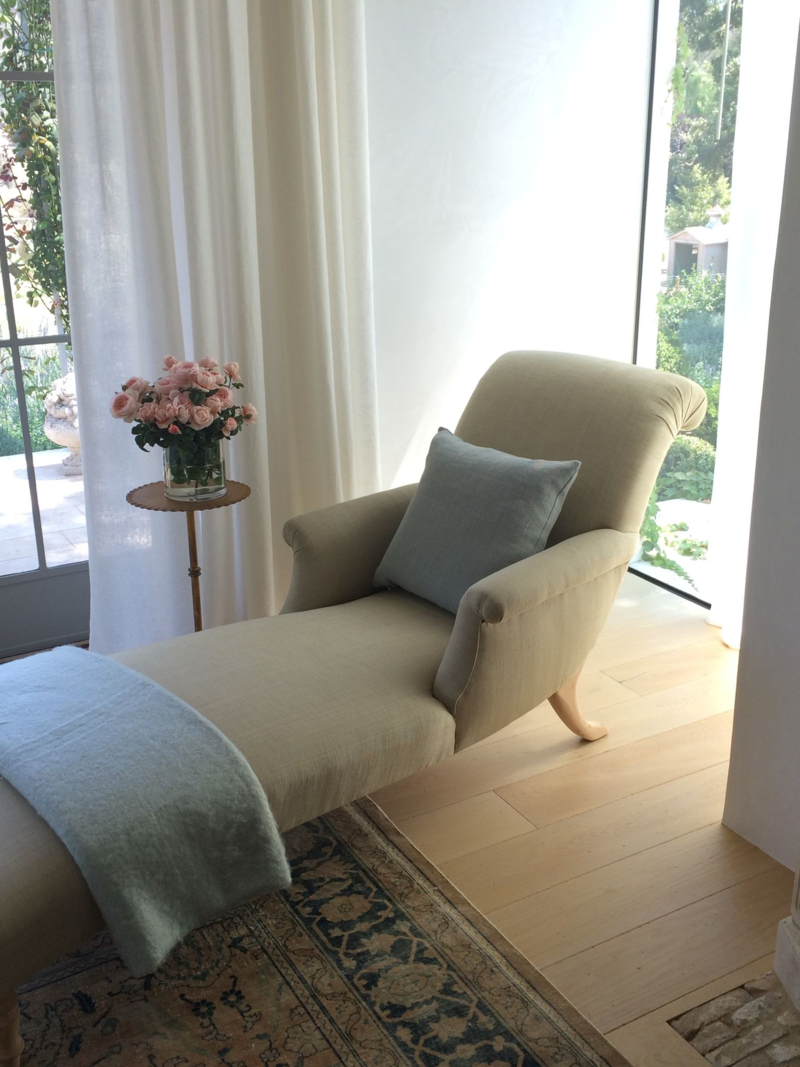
(769,44)
(216,203)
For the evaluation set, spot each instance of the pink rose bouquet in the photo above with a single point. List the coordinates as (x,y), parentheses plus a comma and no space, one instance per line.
(188,410)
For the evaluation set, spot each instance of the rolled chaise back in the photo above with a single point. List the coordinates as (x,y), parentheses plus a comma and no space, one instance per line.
(616,418)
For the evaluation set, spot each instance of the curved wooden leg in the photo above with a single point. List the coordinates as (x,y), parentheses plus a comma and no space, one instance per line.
(10,1040)
(565,705)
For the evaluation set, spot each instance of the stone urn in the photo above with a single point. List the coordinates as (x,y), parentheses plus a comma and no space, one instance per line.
(61,421)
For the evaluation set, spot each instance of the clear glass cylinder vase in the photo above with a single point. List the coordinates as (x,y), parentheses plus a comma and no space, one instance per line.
(196,474)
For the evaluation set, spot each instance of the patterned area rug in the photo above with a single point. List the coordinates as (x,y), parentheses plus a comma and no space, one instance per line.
(372,959)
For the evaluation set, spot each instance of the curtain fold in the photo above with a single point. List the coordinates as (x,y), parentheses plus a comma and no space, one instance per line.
(769,46)
(216,203)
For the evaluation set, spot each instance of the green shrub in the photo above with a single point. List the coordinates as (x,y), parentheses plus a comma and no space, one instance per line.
(688,470)
(688,453)
(690,336)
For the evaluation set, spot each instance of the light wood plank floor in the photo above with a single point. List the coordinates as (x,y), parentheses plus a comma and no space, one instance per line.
(606,863)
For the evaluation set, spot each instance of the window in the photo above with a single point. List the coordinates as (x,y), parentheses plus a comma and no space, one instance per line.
(42,522)
(44,578)
(682,295)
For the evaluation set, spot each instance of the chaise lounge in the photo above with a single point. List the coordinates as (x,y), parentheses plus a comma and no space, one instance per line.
(350,688)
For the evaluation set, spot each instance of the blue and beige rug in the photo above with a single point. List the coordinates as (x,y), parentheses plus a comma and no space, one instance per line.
(371,959)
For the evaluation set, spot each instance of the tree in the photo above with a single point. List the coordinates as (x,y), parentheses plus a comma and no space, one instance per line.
(698,159)
(31,202)
(695,197)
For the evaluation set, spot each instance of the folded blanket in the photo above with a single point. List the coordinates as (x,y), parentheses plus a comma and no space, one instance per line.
(163,815)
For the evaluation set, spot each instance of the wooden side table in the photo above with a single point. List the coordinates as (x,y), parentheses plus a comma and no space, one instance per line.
(151,497)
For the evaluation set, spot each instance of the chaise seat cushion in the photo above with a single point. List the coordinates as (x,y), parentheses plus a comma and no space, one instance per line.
(325,705)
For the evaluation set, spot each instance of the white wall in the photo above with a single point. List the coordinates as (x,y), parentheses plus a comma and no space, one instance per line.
(507,146)
(763,799)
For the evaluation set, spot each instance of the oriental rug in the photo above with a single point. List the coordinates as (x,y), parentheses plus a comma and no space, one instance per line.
(371,959)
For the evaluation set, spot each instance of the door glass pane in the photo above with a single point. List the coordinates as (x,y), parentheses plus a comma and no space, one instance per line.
(17,540)
(52,414)
(690,302)
(30,206)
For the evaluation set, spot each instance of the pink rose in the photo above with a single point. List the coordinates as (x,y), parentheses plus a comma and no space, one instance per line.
(213,403)
(164,386)
(200,418)
(147,412)
(250,413)
(204,379)
(224,395)
(207,363)
(169,362)
(184,412)
(184,372)
(229,426)
(124,406)
(136,386)
(165,413)
(173,428)
(232,370)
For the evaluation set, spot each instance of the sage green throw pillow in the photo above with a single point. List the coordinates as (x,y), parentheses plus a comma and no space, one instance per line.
(475,511)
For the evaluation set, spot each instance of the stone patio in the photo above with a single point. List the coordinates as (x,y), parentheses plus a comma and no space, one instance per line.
(61,506)
(755,1025)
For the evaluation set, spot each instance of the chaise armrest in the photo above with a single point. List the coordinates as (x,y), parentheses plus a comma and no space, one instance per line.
(337,549)
(522,632)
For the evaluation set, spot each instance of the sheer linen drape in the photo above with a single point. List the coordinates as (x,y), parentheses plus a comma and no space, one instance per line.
(769,46)
(216,203)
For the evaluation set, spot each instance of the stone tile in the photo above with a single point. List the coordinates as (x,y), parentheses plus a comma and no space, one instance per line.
(712,1036)
(787,1049)
(766,983)
(692,1021)
(19,566)
(770,1004)
(756,1060)
(17,547)
(759,1037)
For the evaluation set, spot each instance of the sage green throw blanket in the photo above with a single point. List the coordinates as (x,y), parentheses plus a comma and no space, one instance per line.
(163,815)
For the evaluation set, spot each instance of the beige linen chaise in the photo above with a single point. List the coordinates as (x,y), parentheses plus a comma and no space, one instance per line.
(351,689)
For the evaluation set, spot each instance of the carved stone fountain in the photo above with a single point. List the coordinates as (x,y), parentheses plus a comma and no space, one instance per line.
(61,421)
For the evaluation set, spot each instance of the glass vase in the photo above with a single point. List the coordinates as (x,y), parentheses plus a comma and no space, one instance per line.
(196,475)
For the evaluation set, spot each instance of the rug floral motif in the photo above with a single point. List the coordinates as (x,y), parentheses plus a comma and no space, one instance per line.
(370,959)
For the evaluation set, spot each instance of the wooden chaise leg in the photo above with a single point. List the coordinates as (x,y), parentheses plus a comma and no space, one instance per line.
(565,705)
(10,1040)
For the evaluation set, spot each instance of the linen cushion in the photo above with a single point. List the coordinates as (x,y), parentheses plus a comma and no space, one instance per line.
(475,511)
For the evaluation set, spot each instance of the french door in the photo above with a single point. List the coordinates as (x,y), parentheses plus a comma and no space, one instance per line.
(44,577)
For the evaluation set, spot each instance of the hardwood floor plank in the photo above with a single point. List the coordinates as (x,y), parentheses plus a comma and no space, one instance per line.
(510,870)
(620,644)
(633,974)
(675,666)
(447,833)
(630,891)
(511,759)
(595,692)
(566,791)
(580,914)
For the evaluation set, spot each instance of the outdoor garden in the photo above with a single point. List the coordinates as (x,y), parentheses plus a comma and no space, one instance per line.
(691,306)
(30,210)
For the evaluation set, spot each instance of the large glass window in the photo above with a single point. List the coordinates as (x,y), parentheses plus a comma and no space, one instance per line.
(683,281)
(42,521)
